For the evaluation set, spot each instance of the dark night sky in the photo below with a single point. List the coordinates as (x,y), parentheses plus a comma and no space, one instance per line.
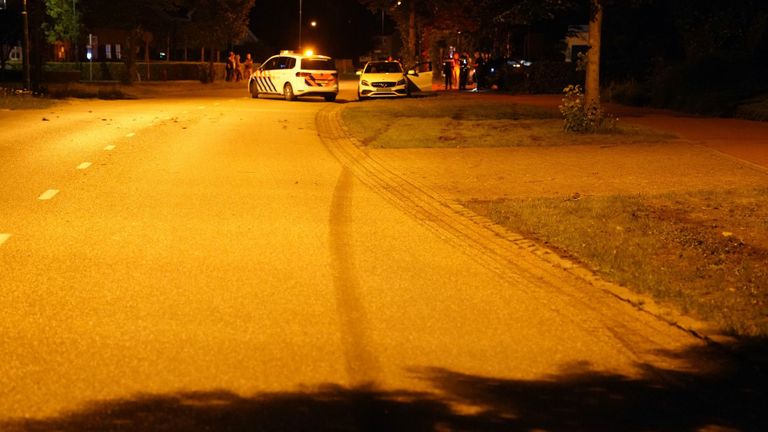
(345,28)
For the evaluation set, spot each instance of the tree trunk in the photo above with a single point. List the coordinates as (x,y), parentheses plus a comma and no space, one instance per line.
(211,67)
(592,84)
(411,55)
(130,58)
(146,58)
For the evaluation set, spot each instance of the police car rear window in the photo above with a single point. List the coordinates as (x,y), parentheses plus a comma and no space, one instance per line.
(318,64)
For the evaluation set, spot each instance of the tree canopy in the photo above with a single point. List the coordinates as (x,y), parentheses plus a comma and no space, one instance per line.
(130,15)
(216,22)
(203,23)
(63,23)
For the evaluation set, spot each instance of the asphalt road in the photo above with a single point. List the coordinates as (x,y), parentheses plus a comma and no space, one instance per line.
(213,245)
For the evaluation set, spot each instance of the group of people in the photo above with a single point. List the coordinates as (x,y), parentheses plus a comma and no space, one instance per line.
(461,70)
(237,70)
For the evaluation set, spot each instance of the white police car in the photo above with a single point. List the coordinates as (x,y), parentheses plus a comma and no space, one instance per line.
(291,75)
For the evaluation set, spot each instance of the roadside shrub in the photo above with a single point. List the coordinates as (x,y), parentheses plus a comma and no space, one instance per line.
(11,75)
(86,91)
(61,76)
(207,73)
(711,85)
(754,109)
(550,76)
(583,119)
(62,72)
(630,92)
(543,77)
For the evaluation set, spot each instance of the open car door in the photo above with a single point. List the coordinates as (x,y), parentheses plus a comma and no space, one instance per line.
(420,77)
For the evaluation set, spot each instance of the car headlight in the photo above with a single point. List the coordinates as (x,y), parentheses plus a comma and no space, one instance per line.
(365,83)
(401,82)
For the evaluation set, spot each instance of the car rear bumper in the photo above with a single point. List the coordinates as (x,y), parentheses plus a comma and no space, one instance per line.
(316,91)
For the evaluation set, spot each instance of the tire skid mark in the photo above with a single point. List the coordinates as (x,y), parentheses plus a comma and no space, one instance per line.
(361,364)
(521,263)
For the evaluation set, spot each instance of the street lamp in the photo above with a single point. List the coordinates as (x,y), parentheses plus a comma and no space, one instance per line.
(25,23)
(300,22)
(77,33)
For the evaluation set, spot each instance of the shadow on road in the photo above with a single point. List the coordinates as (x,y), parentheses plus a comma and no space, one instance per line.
(577,399)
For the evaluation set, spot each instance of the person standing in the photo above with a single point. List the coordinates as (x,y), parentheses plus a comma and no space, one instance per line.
(479,66)
(230,67)
(247,66)
(463,71)
(456,70)
(448,72)
(238,69)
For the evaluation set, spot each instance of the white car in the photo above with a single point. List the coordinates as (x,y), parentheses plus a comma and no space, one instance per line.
(387,79)
(292,75)
(382,79)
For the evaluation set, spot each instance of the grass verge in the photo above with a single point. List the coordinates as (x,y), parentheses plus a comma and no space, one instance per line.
(471,120)
(88,91)
(705,252)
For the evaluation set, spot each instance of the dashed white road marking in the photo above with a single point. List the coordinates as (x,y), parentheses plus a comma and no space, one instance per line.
(84,165)
(50,193)
(130,134)
(109,148)
(4,237)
